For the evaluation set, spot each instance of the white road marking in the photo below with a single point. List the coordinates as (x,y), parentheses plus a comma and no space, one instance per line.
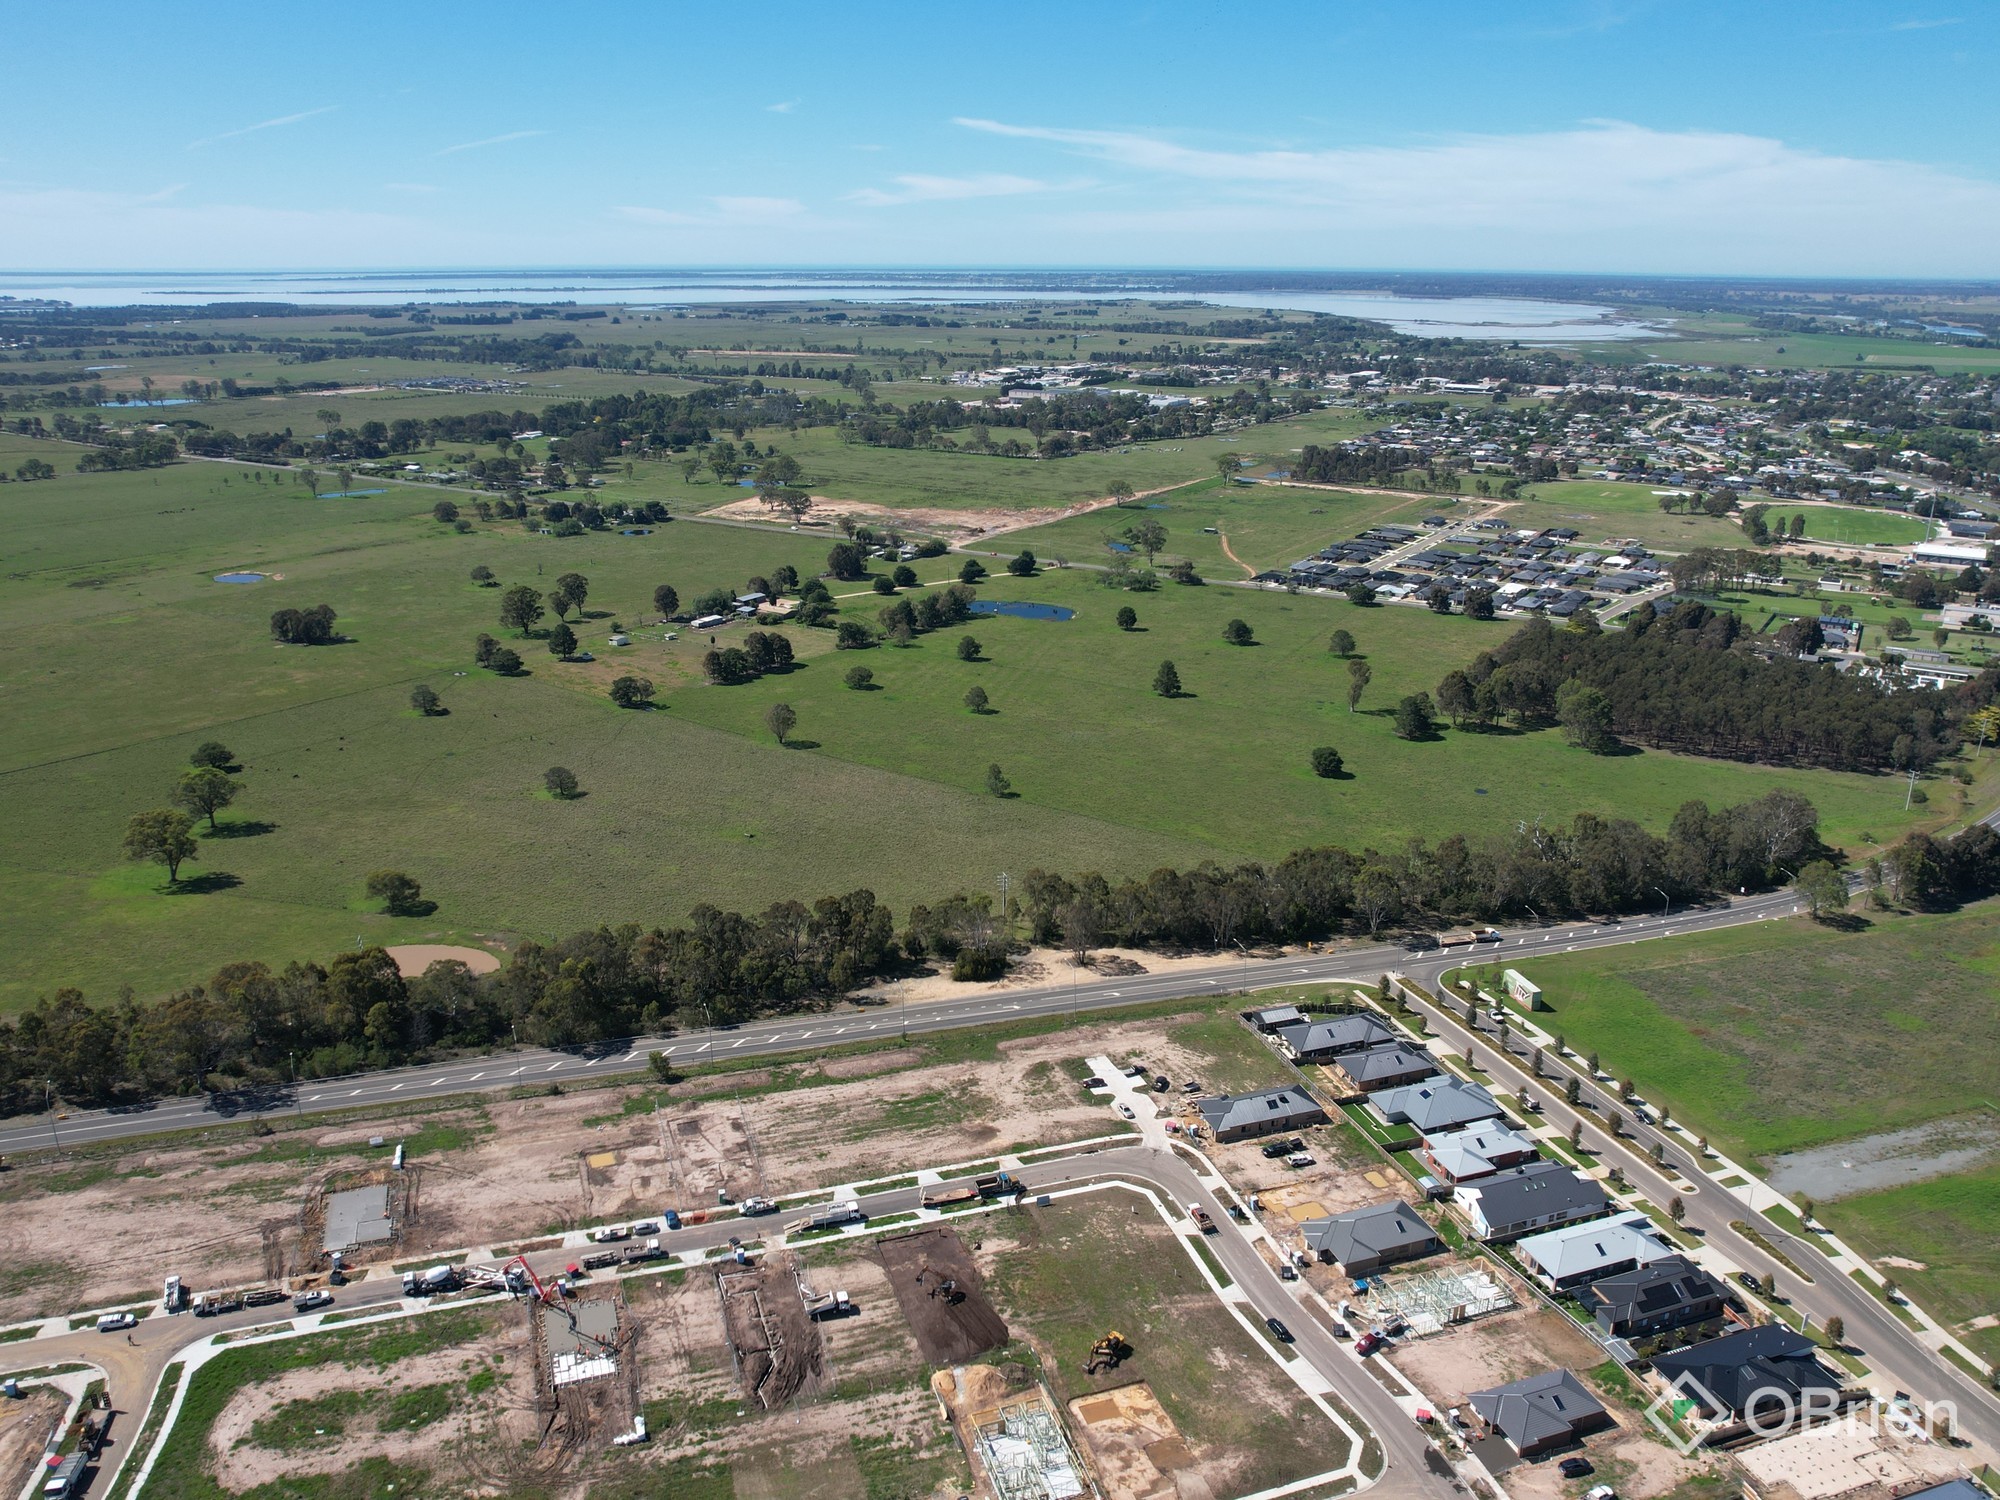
(476,1077)
(564,1062)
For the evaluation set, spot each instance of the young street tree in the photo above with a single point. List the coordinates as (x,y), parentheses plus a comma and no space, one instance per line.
(560,782)
(204,792)
(975,698)
(1167,681)
(1359,674)
(562,642)
(781,719)
(213,753)
(1128,617)
(520,608)
(424,699)
(1326,761)
(397,892)
(632,692)
(997,782)
(163,836)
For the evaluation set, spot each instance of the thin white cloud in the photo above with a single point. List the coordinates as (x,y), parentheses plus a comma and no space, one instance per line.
(491,140)
(281,120)
(1928,25)
(917,188)
(727,213)
(784,108)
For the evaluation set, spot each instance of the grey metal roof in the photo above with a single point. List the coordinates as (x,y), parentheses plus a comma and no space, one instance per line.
(1383,1229)
(1239,1111)
(1392,1061)
(1536,1190)
(1539,1409)
(1439,1105)
(1341,1034)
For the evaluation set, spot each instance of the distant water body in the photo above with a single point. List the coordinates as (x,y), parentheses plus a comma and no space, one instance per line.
(1525,320)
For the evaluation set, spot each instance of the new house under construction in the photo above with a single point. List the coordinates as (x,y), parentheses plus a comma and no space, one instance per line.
(773,1337)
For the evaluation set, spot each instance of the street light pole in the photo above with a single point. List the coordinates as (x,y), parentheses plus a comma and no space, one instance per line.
(1666,904)
(49,1102)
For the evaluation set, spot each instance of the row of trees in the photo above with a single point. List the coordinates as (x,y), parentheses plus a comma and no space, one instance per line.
(305,627)
(1684,681)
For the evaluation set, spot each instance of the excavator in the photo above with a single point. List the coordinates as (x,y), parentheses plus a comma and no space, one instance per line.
(1107,1353)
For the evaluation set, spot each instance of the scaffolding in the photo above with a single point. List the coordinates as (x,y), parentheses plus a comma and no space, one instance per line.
(1027,1452)
(1428,1302)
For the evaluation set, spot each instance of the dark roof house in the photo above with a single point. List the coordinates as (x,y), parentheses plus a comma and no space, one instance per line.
(1743,1373)
(1535,1195)
(1540,1412)
(1364,1240)
(1669,1293)
(1240,1117)
(1386,1067)
(1316,1041)
(1443,1105)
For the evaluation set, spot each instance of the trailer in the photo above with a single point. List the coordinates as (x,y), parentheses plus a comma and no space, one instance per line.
(951,1197)
(834,1217)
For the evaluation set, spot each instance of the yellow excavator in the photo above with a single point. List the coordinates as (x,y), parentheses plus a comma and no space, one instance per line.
(1107,1353)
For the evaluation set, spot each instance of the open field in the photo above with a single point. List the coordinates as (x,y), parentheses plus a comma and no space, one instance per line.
(1602,510)
(1854,525)
(904,478)
(1265,525)
(127,654)
(1726,339)
(1940,1241)
(1786,1034)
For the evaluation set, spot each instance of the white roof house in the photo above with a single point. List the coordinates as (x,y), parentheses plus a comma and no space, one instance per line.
(1578,1254)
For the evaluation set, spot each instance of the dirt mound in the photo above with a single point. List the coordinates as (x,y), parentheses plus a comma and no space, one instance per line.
(413,958)
(942,1296)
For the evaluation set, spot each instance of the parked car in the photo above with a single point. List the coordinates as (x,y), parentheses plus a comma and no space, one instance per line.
(1282,1148)
(1161,1083)
(307,1301)
(1286,1273)
(1278,1330)
(1575,1468)
(1368,1343)
(1749,1281)
(1127,1111)
(1095,1083)
(114,1322)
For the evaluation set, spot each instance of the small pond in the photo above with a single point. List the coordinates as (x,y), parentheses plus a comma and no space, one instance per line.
(239,577)
(1021,610)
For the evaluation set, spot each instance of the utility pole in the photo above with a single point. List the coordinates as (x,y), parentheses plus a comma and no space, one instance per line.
(49,1101)
(1006,926)
(1910,795)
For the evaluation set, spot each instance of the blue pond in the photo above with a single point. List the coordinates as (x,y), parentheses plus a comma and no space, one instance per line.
(351,494)
(1021,610)
(1119,546)
(239,577)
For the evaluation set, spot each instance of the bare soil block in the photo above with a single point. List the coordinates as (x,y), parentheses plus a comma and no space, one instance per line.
(1133,1443)
(952,1324)
(779,1357)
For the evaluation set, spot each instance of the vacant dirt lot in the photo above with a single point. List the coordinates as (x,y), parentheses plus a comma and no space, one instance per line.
(942,1295)
(501,1170)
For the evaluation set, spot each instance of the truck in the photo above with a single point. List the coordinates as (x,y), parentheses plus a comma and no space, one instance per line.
(213,1304)
(754,1206)
(951,1197)
(174,1298)
(1201,1219)
(831,1217)
(1000,1185)
(831,1305)
(434,1282)
(66,1478)
(649,1251)
(610,1234)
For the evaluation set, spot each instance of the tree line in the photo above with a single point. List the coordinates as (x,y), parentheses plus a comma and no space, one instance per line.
(252,1025)
(1686,680)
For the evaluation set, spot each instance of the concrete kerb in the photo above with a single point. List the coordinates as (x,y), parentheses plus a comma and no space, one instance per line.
(1758,1196)
(73,1383)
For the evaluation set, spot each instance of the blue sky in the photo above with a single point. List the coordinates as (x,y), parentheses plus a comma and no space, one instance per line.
(1765,138)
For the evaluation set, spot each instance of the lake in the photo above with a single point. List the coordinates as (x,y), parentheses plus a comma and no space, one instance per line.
(1514,319)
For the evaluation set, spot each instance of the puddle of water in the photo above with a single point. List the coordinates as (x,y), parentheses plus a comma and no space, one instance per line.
(239,577)
(1021,610)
